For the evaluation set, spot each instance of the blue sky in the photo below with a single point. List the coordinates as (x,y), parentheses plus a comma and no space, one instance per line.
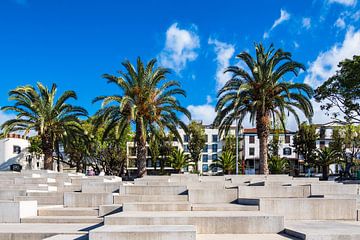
(72,43)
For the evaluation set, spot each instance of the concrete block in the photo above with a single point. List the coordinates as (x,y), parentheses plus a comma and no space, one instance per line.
(144,232)
(61,211)
(42,200)
(12,212)
(152,190)
(331,188)
(157,206)
(109,209)
(222,207)
(120,199)
(72,199)
(107,187)
(310,208)
(274,191)
(206,222)
(10,194)
(213,195)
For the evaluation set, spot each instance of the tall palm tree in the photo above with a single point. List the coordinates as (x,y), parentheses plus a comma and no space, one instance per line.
(39,110)
(325,157)
(145,99)
(179,160)
(259,90)
(226,162)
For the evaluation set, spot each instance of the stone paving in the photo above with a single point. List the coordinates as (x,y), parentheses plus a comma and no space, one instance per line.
(48,205)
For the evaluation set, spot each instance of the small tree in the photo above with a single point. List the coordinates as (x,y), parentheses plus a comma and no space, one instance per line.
(342,91)
(154,149)
(226,162)
(179,160)
(325,157)
(305,141)
(278,165)
(197,140)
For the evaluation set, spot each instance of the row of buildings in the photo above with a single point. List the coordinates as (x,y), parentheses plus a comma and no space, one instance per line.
(14,149)
(249,145)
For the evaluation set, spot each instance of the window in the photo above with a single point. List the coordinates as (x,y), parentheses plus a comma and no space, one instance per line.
(287,151)
(205,167)
(205,149)
(214,138)
(251,139)
(206,138)
(205,158)
(132,151)
(322,144)
(214,157)
(186,148)
(251,151)
(186,138)
(322,132)
(287,139)
(16,149)
(214,147)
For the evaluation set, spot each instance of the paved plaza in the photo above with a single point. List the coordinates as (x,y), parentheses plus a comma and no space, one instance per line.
(49,205)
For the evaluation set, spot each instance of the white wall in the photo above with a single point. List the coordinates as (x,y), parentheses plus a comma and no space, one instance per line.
(7,148)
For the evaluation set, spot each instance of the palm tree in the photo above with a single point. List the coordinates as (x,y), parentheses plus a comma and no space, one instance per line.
(38,110)
(145,99)
(278,165)
(226,162)
(260,91)
(179,160)
(325,157)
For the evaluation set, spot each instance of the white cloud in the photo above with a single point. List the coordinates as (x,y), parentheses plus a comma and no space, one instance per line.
(340,23)
(284,16)
(356,15)
(344,2)
(306,22)
(326,62)
(224,52)
(180,48)
(208,99)
(205,113)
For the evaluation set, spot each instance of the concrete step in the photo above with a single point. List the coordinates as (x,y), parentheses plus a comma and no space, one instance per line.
(243,237)
(144,232)
(36,231)
(68,212)
(68,237)
(42,200)
(157,206)
(62,219)
(120,199)
(206,222)
(223,207)
(324,230)
(152,190)
(75,199)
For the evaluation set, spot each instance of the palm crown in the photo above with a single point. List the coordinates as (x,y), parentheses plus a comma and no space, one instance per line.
(147,100)
(53,119)
(258,89)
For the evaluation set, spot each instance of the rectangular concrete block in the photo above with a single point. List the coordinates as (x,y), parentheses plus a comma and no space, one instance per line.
(106,187)
(310,208)
(274,191)
(12,212)
(213,195)
(152,190)
(10,194)
(120,199)
(109,209)
(333,188)
(144,232)
(206,222)
(73,199)
(157,206)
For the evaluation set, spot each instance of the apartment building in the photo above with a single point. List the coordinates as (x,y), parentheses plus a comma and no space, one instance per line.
(212,149)
(251,148)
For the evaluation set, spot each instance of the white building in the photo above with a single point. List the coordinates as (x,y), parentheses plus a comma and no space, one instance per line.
(251,148)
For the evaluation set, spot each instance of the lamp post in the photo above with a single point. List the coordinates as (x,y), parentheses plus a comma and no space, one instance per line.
(237,145)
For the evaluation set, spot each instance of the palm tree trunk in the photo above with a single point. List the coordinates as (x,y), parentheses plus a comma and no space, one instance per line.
(47,148)
(141,150)
(263,131)
(325,172)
